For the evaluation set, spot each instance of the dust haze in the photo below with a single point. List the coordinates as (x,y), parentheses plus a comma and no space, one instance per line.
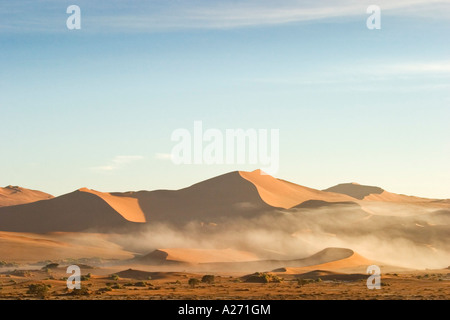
(411,237)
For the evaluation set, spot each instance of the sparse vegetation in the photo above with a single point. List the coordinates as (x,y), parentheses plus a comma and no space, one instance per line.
(39,290)
(140,284)
(302,282)
(86,277)
(209,278)
(114,277)
(263,277)
(83,291)
(193,282)
(105,289)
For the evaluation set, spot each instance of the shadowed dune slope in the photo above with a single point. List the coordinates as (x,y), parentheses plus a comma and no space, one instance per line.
(354,190)
(12,195)
(146,275)
(76,211)
(371,193)
(224,196)
(283,194)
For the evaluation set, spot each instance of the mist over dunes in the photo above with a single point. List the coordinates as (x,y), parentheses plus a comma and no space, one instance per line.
(244,219)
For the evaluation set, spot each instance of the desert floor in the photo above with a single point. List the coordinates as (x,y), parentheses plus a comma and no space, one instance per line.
(428,284)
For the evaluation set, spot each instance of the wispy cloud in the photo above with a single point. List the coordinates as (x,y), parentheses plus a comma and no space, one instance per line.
(117,163)
(156,15)
(163,156)
(376,71)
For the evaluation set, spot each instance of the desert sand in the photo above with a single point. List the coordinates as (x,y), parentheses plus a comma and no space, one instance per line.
(302,243)
(323,281)
(283,194)
(13,195)
(197,256)
(127,207)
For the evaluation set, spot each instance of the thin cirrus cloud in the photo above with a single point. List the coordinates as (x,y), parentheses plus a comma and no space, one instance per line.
(377,71)
(157,15)
(117,163)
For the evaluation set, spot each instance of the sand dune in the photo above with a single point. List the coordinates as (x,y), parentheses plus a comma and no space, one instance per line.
(196,256)
(13,195)
(326,259)
(127,207)
(76,211)
(299,273)
(283,194)
(212,200)
(30,248)
(146,275)
(236,194)
(344,262)
(370,193)
(386,196)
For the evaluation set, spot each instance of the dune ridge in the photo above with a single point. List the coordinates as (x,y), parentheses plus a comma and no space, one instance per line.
(14,195)
(127,207)
(283,194)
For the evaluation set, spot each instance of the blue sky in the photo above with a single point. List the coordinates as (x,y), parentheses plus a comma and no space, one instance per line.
(95,107)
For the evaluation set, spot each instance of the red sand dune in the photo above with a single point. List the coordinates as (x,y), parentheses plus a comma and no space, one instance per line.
(280,193)
(76,211)
(237,194)
(12,195)
(371,193)
(127,207)
(27,247)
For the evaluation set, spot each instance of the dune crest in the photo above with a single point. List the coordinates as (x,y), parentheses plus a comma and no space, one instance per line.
(386,196)
(14,195)
(284,194)
(371,193)
(127,207)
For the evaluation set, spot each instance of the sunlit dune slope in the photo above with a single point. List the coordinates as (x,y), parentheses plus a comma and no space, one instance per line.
(13,195)
(283,194)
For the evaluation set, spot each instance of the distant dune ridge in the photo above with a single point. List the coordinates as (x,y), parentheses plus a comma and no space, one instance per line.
(237,194)
(233,260)
(280,193)
(191,255)
(14,195)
